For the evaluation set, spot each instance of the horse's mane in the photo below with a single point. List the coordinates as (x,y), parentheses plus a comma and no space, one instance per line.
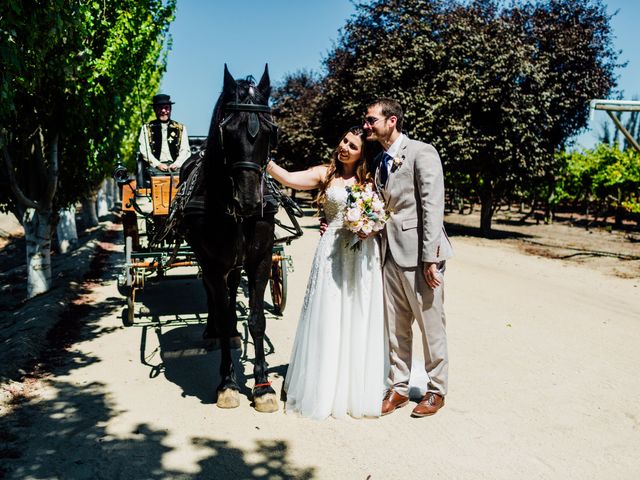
(214,147)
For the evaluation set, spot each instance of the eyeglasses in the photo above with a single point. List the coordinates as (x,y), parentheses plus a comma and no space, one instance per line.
(370,121)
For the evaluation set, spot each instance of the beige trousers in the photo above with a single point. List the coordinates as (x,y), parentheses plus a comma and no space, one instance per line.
(407,297)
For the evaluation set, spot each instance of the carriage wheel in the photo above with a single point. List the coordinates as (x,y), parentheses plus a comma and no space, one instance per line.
(127,319)
(278,283)
(125,280)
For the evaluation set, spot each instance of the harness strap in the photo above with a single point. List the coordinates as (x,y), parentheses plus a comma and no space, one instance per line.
(266,384)
(247,107)
(247,166)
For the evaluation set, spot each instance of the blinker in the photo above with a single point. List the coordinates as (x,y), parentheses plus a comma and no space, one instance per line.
(253,125)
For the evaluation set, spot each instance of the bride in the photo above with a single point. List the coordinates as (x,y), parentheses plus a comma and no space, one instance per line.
(337,365)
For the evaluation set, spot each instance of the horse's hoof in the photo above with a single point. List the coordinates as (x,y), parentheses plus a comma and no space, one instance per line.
(266,403)
(228,398)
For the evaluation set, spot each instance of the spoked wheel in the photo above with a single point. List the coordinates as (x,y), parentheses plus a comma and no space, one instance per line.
(278,283)
(125,284)
(130,313)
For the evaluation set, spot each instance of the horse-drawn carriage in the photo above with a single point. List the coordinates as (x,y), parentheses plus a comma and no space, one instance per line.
(146,203)
(227,210)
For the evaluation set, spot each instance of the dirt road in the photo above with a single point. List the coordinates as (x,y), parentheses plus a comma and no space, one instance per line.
(544,371)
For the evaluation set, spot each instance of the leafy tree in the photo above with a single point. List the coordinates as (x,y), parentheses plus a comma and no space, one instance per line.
(493,104)
(601,178)
(296,107)
(576,62)
(71,74)
(497,88)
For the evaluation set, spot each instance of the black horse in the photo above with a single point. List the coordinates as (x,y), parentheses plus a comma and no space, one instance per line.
(230,228)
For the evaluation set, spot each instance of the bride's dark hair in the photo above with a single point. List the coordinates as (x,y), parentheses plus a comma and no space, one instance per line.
(363,175)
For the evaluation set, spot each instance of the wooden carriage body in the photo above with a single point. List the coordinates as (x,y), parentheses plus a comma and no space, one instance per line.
(145,211)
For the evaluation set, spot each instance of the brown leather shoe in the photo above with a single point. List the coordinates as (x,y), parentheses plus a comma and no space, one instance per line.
(429,405)
(393,400)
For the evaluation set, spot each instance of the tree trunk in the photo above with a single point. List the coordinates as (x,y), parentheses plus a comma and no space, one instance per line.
(37,233)
(66,230)
(89,216)
(620,212)
(112,193)
(102,207)
(548,215)
(486,212)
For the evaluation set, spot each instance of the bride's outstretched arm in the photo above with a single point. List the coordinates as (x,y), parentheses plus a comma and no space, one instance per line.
(303,180)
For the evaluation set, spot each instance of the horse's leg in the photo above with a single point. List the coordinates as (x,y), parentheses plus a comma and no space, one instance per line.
(233,281)
(228,390)
(264,397)
(195,241)
(210,332)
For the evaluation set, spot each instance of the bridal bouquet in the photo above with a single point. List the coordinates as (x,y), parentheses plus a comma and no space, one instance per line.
(364,213)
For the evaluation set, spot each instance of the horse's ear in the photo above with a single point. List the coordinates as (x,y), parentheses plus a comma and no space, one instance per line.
(229,82)
(264,87)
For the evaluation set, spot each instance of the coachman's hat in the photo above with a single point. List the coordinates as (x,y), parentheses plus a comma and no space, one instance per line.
(162,99)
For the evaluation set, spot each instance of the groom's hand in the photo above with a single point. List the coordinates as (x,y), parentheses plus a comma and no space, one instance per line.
(431,274)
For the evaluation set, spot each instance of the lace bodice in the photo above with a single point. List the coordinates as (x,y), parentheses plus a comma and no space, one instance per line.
(335,204)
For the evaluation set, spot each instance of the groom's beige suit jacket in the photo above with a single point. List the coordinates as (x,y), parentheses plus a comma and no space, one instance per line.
(414,194)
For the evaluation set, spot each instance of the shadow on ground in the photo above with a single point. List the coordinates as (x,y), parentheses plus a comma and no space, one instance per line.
(72,442)
(171,337)
(51,321)
(459,230)
(65,435)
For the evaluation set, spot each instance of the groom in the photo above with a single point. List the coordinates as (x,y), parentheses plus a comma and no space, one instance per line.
(414,250)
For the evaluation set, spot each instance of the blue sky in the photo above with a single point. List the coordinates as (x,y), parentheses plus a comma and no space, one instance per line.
(292,35)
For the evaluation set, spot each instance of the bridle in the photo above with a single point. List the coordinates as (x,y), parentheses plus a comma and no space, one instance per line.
(229,109)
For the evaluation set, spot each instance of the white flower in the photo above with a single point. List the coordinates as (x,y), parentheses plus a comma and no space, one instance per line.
(377,205)
(353,214)
(367,228)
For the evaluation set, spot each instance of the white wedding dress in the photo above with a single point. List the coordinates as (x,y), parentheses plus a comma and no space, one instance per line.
(337,364)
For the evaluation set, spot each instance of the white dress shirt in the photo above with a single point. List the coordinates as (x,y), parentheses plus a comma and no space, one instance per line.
(392,151)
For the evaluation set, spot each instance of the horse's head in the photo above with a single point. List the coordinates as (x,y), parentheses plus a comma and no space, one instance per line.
(246,135)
